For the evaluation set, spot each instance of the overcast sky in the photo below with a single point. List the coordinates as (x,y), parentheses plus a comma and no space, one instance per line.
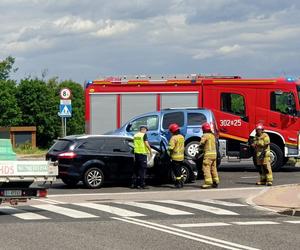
(85,39)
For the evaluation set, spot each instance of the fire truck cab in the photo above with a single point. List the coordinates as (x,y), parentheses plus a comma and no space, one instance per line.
(238,105)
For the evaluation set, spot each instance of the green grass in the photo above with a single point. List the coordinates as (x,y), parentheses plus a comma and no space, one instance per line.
(28,150)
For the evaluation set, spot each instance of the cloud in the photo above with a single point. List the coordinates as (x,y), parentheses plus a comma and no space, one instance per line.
(229,49)
(28,46)
(74,24)
(110,28)
(82,39)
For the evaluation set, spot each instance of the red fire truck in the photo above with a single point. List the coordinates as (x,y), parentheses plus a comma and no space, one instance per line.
(238,104)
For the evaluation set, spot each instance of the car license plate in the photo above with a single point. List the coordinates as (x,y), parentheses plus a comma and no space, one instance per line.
(12,192)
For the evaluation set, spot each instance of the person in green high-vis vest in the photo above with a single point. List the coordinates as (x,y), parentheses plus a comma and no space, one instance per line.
(141,150)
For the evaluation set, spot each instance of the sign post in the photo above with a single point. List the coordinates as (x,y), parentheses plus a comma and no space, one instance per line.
(65,108)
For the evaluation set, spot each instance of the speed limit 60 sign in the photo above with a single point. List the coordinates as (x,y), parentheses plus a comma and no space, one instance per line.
(65,93)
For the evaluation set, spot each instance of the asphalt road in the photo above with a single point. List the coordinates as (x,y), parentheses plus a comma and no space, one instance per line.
(232,175)
(161,217)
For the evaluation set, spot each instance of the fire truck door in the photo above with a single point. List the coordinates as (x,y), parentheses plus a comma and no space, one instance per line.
(233,115)
(282,117)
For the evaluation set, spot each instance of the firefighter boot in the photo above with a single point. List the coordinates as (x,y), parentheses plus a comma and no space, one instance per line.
(269,183)
(181,182)
(206,186)
(177,184)
(215,185)
(261,183)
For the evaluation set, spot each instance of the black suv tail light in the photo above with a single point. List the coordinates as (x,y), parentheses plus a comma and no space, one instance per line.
(67,155)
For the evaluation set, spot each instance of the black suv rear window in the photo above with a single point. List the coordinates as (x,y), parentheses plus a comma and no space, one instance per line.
(116,145)
(196,119)
(61,145)
(94,144)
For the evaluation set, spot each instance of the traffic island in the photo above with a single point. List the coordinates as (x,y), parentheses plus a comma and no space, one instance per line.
(283,199)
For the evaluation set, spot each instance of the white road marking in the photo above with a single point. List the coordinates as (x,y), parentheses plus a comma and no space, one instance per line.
(249,177)
(55,201)
(30,216)
(212,224)
(247,223)
(157,208)
(65,211)
(186,234)
(224,203)
(50,201)
(209,209)
(155,192)
(110,209)
(293,221)
(21,214)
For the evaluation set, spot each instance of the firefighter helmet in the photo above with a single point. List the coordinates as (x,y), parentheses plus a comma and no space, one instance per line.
(206,127)
(259,126)
(173,127)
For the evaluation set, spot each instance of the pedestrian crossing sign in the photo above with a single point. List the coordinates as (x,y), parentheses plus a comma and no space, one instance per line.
(65,110)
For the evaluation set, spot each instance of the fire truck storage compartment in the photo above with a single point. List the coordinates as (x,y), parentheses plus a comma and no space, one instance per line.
(135,104)
(179,100)
(103,113)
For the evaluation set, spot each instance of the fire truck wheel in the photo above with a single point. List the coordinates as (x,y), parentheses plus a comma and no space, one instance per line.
(277,159)
(191,149)
(70,182)
(93,178)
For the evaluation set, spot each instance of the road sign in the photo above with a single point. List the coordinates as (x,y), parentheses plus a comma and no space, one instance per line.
(65,110)
(65,102)
(65,93)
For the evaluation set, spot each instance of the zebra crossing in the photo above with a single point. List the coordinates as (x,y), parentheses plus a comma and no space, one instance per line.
(89,210)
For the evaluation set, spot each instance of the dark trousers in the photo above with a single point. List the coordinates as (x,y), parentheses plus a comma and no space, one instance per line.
(139,170)
(176,168)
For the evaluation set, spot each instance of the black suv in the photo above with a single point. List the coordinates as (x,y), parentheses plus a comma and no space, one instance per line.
(95,159)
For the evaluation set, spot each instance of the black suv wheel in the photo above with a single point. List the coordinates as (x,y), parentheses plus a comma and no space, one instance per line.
(93,178)
(185,172)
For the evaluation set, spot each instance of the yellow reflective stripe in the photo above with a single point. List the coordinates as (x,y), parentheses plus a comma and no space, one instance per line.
(216,180)
(208,181)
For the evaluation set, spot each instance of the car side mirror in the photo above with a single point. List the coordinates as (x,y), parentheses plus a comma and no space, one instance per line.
(245,118)
(291,111)
(290,99)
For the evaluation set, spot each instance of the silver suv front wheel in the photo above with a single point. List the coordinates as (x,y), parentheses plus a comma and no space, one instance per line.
(191,149)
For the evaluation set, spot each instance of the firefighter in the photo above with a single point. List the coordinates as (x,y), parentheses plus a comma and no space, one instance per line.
(141,150)
(176,151)
(209,166)
(261,145)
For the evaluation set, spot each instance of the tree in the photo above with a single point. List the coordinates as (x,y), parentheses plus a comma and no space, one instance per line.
(75,124)
(9,109)
(6,66)
(39,105)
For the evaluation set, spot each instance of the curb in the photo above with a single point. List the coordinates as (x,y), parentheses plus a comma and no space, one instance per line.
(284,210)
(31,157)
